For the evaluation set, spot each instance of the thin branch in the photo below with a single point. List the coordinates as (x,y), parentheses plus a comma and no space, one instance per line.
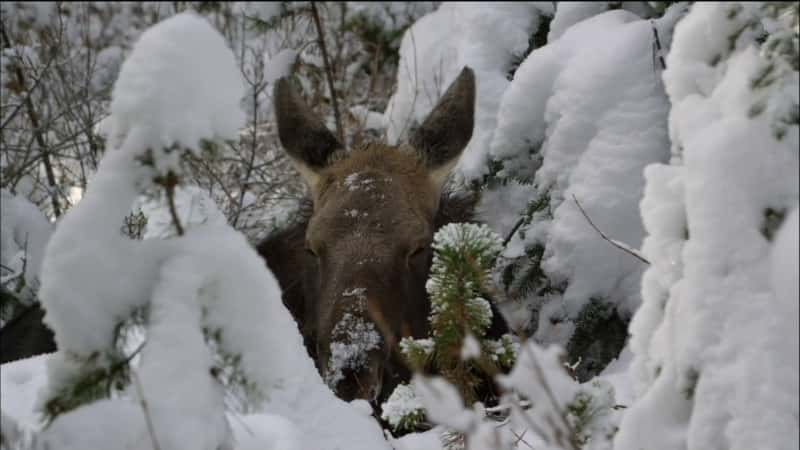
(520,438)
(117,367)
(550,397)
(328,73)
(34,118)
(28,94)
(172,210)
(513,231)
(617,244)
(147,418)
(657,46)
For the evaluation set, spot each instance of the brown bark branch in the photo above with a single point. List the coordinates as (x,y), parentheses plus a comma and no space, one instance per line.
(328,73)
(34,118)
(172,181)
(610,241)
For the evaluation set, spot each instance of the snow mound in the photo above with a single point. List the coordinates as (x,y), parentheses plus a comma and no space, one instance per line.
(581,120)
(23,237)
(715,342)
(437,47)
(160,85)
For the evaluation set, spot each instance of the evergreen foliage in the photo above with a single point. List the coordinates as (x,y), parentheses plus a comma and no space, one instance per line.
(403,410)
(599,336)
(464,254)
(588,414)
(459,283)
(599,330)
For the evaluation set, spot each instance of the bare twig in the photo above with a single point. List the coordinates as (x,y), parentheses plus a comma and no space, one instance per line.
(119,366)
(28,93)
(613,242)
(657,46)
(170,183)
(148,420)
(328,72)
(520,438)
(34,118)
(513,231)
(551,398)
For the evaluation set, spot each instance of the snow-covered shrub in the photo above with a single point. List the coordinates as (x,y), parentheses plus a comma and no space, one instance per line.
(23,236)
(403,409)
(581,119)
(203,295)
(542,407)
(715,342)
(458,348)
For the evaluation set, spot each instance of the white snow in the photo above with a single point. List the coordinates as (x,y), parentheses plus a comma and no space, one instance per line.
(159,83)
(470,348)
(23,237)
(569,13)
(427,440)
(437,47)
(369,120)
(714,346)
(785,256)
(264,431)
(10,433)
(359,181)
(543,418)
(193,207)
(401,403)
(618,374)
(682,172)
(280,65)
(425,345)
(665,220)
(353,337)
(264,11)
(542,379)
(19,383)
(591,137)
(443,404)
(210,279)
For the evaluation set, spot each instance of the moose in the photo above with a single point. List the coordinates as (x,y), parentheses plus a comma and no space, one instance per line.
(353,272)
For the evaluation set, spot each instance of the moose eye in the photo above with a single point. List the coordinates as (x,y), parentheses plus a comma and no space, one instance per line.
(417,252)
(310,251)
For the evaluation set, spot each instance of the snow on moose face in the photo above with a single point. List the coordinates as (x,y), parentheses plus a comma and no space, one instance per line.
(368,244)
(368,239)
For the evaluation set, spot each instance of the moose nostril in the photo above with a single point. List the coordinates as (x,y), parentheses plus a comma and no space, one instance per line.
(359,384)
(350,386)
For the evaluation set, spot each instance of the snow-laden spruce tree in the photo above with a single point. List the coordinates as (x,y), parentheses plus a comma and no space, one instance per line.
(538,390)
(716,338)
(217,335)
(581,118)
(458,348)
(542,407)
(581,112)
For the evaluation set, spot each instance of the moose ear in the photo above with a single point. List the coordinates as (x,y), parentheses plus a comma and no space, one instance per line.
(302,133)
(448,128)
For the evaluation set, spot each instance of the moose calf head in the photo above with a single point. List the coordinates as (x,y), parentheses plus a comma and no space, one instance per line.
(368,241)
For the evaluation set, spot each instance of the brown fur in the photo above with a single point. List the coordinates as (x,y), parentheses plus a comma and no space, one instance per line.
(362,256)
(297,272)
